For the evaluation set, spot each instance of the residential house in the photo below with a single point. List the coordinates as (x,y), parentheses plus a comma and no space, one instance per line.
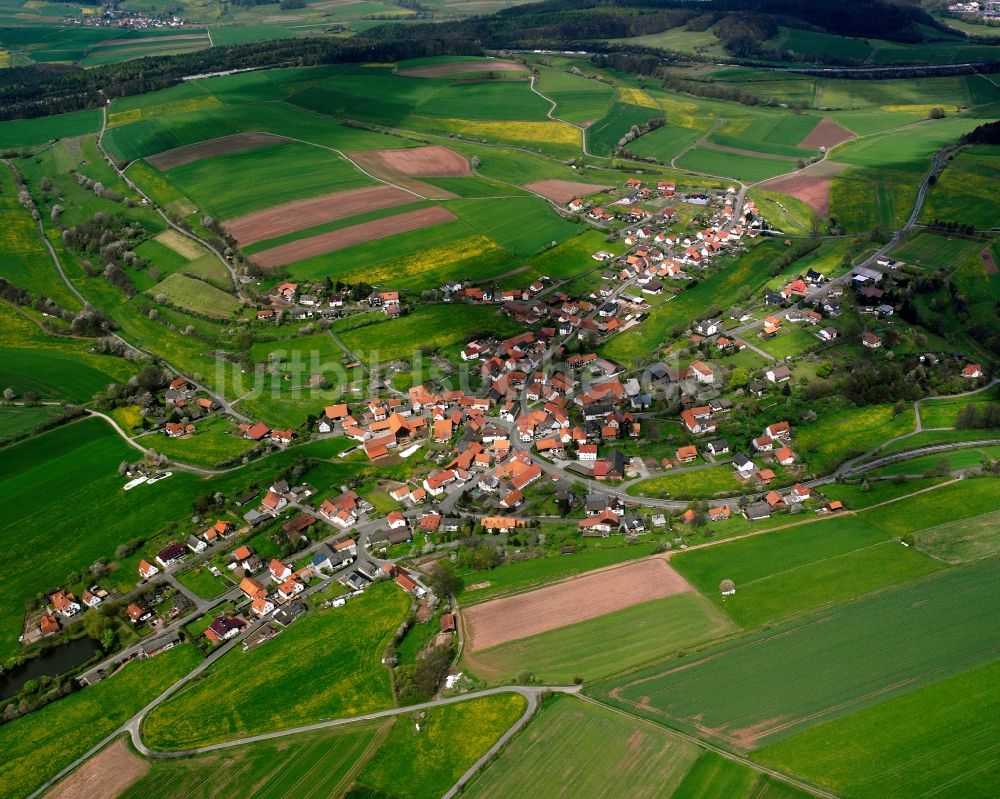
(871,341)
(778,374)
(224,627)
(147,569)
(171,553)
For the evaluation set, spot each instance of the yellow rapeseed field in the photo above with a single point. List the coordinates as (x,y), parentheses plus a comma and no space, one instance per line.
(117,118)
(428,260)
(549,132)
(636,97)
(920,108)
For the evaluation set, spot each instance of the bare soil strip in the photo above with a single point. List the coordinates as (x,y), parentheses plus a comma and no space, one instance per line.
(433,161)
(811,186)
(826,134)
(562,191)
(153,39)
(107,774)
(460,67)
(988,263)
(236,143)
(301,214)
(403,167)
(355,234)
(577,599)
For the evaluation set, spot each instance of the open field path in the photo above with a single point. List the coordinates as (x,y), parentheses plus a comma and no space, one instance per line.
(552,116)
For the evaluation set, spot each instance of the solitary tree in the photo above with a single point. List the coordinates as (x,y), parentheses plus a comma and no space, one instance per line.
(727,587)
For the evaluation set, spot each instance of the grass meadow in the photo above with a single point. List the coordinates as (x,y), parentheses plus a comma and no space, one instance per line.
(325,665)
(936,741)
(38,745)
(690,484)
(607,644)
(214,440)
(425,753)
(604,134)
(944,412)
(961,500)
(25,261)
(800,568)
(750,168)
(608,751)
(578,99)
(16,133)
(962,193)
(836,436)
(936,251)
(768,685)
(16,421)
(855,497)
(316,764)
(197,296)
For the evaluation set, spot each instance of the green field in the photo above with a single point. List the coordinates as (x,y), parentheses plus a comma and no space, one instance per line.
(522,226)
(750,168)
(325,665)
(229,185)
(665,143)
(789,571)
(944,412)
(197,296)
(59,373)
(607,644)
(315,764)
(32,132)
(425,754)
(17,421)
(963,458)
(58,523)
(855,497)
(603,135)
(961,500)
(690,484)
(578,99)
(963,540)
(936,251)
(936,741)
(45,741)
(770,684)
(575,748)
(962,192)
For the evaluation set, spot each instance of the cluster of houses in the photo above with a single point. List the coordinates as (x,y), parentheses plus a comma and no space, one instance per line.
(307,302)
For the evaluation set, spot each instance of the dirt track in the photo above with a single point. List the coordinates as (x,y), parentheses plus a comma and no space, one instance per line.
(576,599)
(106,775)
(441,70)
(562,191)
(224,145)
(355,234)
(826,134)
(302,214)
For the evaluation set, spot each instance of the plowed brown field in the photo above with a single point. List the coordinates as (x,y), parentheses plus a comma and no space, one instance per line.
(576,599)
(224,145)
(562,191)
(461,67)
(826,134)
(301,214)
(355,234)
